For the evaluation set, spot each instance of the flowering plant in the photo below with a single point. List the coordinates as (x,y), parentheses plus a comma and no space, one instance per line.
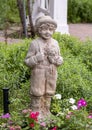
(81,103)
(71,115)
(5,116)
(33,120)
(71,100)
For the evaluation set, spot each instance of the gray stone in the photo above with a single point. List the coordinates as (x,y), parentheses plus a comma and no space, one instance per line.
(43,58)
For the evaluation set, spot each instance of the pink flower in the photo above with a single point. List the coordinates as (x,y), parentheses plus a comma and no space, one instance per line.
(12,128)
(81,103)
(25,111)
(43,124)
(90,116)
(17,128)
(7,115)
(69,115)
(55,128)
(10,122)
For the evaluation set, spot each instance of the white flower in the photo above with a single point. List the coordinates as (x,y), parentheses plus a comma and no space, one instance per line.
(74,107)
(71,100)
(67,109)
(58,96)
(60,113)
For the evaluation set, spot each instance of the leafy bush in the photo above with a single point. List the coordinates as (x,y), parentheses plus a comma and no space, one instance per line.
(86,54)
(12,14)
(79,11)
(72,116)
(3,9)
(9,13)
(13,73)
(74,77)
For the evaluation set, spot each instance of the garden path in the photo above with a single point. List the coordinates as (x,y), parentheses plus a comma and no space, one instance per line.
(81,31)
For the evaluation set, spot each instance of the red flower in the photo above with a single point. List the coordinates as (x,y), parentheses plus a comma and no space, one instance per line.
(55,128)
(31,125)
(34,115)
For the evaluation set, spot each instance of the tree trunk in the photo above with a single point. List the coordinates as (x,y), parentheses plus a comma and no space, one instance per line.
(29,5)
(22,13)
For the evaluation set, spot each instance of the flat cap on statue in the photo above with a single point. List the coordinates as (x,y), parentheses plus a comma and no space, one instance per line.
(45,19)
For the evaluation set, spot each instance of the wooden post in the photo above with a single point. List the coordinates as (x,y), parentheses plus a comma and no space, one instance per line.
(29,4)
(22,12)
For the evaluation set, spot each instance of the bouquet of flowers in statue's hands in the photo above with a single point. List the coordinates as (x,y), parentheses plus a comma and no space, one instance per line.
(54,57)
(52,54)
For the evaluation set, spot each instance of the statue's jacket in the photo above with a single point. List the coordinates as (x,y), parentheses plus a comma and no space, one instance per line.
(43,73)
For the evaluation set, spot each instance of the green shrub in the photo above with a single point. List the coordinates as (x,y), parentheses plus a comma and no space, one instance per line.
(9,13)
(73,46)
(74,76)
(13,73)
(74,80)
(79,11)
(86,54)
(13,14)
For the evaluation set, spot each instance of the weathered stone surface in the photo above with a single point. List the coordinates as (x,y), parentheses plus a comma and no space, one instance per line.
(43,58)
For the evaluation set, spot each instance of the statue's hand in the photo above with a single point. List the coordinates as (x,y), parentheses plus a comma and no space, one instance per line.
(51,60)
(59,60)
(40,57)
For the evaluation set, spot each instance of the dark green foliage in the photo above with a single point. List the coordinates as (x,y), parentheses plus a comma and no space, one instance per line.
(74,76)
(8,12)
(3,12)
(74,79)
(12,65)
(80,11)
(13,72)
(12,14)
(86,54)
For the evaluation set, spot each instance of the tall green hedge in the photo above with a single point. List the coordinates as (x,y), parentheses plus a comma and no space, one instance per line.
(80,11)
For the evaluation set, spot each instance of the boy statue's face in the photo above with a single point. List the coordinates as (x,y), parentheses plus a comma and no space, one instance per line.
(46,30)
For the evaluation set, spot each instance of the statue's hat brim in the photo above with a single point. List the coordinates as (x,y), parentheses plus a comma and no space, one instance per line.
(45,19)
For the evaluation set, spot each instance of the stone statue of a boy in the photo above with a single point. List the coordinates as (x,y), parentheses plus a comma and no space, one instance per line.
(43,58)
